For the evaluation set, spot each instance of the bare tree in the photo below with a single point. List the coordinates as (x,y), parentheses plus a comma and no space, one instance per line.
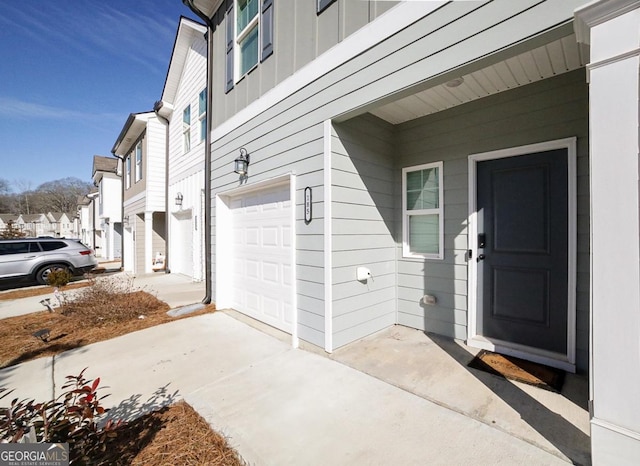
(60,195)
(5,196)
(24,188)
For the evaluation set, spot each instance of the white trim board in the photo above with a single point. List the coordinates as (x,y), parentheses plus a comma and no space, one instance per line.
(563,361)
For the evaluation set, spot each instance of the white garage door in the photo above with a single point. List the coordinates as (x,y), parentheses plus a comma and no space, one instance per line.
(261,283)
(183,262)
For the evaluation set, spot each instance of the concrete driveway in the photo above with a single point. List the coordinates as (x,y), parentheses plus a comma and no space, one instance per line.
(394,398)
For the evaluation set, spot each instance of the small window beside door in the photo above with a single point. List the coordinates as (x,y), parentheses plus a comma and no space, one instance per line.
(423,211)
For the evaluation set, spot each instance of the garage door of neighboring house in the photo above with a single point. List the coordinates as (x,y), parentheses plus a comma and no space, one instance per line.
(261,255)
(117,240)
(183,252)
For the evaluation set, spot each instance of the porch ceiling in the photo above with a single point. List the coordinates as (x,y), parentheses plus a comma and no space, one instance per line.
(557,57)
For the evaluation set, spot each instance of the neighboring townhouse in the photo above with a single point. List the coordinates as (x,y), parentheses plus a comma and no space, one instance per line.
(16,220)
(184,106)
(428,164)
(84,225)
(90,232)
(107,178)
(36,225)
(62,225)
(141,146)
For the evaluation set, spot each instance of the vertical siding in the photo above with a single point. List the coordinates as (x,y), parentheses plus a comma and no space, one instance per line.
(363,228)
(552,109)
(300,35)
(186,170)
(139,243)
(192,82)
(155,164)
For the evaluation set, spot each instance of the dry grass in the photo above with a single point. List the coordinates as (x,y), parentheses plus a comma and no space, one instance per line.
(100,312)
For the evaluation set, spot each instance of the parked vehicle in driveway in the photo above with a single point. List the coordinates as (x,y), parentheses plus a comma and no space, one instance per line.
(35,258)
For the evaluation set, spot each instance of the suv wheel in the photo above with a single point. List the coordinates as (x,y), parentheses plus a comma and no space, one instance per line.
(43,273)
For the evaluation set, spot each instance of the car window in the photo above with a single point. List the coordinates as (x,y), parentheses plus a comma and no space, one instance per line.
(17,247)
(52,245)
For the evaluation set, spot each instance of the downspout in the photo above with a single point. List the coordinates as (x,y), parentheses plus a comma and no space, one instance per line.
(207,151)
(121,207)
(156,109)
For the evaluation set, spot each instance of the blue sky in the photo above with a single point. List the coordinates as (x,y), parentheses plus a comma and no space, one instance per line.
(71,71)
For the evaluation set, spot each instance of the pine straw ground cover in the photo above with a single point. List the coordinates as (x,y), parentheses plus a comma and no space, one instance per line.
(174,435)
(105,309)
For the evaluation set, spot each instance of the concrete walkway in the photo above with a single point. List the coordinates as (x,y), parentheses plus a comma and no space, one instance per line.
(278,405)
(282,406)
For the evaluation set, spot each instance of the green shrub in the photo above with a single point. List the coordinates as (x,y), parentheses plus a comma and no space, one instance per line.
(71,418)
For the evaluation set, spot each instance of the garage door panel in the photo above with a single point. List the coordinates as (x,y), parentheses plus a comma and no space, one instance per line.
(262,276)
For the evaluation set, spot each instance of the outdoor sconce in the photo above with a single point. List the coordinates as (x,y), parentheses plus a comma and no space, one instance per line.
(241,164)
(179,198)
(126,220)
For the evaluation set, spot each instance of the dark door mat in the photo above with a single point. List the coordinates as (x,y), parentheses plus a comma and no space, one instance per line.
(520,370)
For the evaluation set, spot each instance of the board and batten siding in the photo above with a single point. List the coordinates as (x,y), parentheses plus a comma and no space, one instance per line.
(300,35)
(552,109)
(362,228)
(155,165)
(192,82)
(287,135)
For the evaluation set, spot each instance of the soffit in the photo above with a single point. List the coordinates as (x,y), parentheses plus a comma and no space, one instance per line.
(555,58)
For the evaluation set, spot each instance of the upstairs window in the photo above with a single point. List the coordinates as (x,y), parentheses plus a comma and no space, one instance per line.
(423,212)
(128,173)
(186,129)
(249,37)
(138,161)
(247,34)
(202,113)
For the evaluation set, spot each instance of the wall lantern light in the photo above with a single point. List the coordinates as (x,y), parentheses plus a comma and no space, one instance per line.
(179,198)
(126,220)
(241,164)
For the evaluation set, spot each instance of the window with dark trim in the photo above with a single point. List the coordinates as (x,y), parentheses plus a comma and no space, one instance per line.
(138,162)
(249,37)
(202,113)
(321,5)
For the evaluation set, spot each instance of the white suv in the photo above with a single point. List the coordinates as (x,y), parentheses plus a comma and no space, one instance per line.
(35,258)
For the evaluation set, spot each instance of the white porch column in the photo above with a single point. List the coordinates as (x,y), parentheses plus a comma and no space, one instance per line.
(148,242)
(612,28)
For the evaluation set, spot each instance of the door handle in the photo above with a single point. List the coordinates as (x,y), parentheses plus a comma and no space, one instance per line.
(29,257)
(481,257)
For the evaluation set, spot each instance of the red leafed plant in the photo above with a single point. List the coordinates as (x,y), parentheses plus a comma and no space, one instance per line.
(71,418)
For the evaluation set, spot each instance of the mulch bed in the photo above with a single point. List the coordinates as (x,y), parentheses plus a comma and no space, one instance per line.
(68,332)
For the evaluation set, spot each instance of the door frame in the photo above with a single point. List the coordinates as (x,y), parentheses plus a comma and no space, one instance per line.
(223,258)
(474,337)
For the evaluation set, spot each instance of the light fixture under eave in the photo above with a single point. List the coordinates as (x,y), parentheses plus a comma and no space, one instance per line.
(241,164)
(455,82)
(178,199)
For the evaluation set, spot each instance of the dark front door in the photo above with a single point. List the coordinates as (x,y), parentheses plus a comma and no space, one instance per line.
(522,211)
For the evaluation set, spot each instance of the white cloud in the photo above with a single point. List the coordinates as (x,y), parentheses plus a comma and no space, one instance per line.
(20,109)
